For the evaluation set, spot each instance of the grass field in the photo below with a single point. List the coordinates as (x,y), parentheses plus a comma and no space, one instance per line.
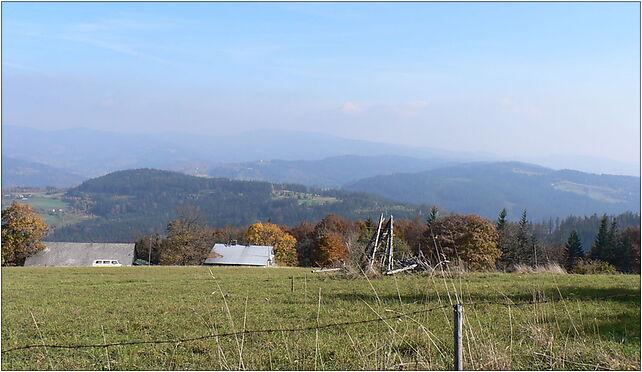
(39,200)
(43,203)
(74,306)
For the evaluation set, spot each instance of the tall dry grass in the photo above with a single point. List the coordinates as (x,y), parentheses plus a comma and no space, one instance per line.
(549,268)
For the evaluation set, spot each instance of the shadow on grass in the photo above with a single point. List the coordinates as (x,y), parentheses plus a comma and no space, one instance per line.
(569,293)
(621,327)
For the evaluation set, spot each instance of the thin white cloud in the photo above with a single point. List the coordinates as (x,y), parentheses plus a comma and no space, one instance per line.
(417,104)
(351,108)
(91,34)
(19,66)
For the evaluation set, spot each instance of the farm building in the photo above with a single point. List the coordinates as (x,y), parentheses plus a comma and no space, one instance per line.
(81,254)
(241,255)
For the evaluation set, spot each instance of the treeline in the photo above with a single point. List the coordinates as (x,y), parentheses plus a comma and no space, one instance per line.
(470,240)
(610,243)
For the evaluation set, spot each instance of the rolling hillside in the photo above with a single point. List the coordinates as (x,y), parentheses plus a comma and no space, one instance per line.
(329,172)
(16,172)
(132,202)
(486,188)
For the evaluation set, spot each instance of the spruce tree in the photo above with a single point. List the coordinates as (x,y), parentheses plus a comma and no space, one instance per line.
(523,250)
(370,224)
(503,242)
(501,220)
(613,252)
(574,251)
(433,215)
(600,248)
(624,255)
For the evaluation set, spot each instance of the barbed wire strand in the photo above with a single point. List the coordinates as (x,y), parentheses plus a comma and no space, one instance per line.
(303,329)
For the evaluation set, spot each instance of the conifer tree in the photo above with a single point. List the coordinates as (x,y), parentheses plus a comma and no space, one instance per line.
(433,215)
(522,248)
(623,255)
(613,252)
(600,248)
(574,251)
(501,220)
(503,242)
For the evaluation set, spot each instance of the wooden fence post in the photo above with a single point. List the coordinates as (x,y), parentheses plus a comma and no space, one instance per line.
(457,336)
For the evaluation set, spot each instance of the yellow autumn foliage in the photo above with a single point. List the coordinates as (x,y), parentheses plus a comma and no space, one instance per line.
(271,234)
(469,238)
(22,232)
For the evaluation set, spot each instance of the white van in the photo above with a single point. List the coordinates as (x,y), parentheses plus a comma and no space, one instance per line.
(111,263)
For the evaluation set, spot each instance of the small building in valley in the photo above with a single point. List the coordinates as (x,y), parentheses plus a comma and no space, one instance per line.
(82,254)
(241,255)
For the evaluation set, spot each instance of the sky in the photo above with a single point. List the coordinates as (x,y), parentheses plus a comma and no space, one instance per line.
(513,79)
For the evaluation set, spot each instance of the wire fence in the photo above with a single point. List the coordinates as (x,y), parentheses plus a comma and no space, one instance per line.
(310,328)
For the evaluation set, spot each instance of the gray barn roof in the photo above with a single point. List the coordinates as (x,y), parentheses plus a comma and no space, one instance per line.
(245,255)
(81,254)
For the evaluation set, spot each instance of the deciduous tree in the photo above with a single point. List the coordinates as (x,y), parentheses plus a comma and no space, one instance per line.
(330,250)
(271,234)
(469,238)
(304,235)
(22,232)
(189,240)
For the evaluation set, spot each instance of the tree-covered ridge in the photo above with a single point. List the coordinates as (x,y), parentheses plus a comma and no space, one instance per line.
(485,188)
(130,203)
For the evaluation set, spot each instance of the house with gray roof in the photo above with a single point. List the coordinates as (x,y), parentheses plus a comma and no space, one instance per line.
(241,255)
(81,254)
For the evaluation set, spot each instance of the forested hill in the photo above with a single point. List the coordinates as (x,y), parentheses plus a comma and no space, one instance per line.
(142,201)
(486,188)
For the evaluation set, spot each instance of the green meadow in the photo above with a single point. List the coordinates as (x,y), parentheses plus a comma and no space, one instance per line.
(578,323)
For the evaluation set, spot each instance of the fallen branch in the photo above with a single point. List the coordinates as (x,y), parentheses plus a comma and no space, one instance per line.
(327,270)
(401,270)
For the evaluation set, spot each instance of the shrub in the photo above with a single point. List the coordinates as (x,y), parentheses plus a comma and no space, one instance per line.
(594,267)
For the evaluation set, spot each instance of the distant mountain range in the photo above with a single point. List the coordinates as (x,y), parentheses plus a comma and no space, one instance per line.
(92,153)
(329,172)
(16,172)
(455,182)
(486,188)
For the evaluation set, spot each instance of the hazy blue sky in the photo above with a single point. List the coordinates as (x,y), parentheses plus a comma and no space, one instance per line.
(515,79)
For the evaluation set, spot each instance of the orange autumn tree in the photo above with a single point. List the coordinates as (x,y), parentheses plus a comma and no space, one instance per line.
(330,250)
(22,232)
(271,234)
